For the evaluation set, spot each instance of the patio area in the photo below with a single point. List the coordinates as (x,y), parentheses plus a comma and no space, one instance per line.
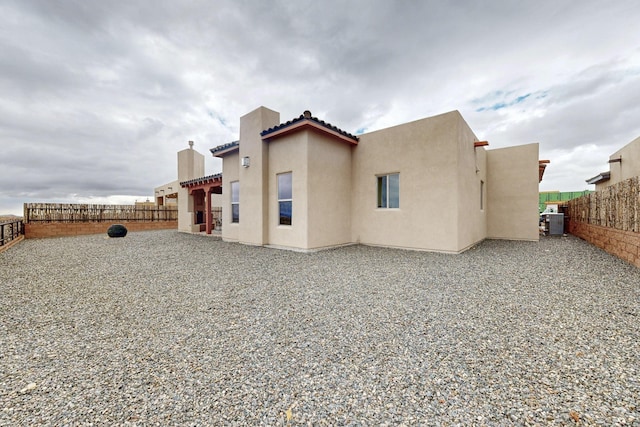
(182,329)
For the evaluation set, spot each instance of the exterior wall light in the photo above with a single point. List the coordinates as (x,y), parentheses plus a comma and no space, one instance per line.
(245,162)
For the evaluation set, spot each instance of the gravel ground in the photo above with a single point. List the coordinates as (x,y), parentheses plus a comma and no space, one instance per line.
(165,328)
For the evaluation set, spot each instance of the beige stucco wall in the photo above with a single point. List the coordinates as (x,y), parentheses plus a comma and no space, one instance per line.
(628,167)
(472,170)
(216,200)
(329,191)
(321,196)
(190,165)
(601,185)
(162,191)
(512,193)
(425,154)
(185,211)
(289,154)
(230,173)
(254,179)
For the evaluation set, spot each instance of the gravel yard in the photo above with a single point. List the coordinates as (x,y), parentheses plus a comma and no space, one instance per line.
(175,329)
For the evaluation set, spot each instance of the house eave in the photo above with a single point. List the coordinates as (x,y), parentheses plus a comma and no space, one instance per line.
(307,122)
(211,179)
(309,125)
(600,178)
(542,166)
(225,149)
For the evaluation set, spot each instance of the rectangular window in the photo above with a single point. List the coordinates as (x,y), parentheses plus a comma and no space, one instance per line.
(285,198)
(235,201)
(481,195)
(389,191)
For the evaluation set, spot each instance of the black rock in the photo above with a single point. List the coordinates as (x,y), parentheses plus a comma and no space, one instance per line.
(117,230)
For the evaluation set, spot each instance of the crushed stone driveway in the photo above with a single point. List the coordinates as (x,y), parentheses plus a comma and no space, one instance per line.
(166,328)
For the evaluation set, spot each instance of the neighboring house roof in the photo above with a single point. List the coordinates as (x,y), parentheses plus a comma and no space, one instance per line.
(306,120)
(203,180)
(600,178)
(560,198)
(223,149)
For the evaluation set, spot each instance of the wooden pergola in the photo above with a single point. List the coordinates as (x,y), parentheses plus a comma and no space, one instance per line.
(204,187)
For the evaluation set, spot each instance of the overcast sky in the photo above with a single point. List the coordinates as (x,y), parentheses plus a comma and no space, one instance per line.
(96,97)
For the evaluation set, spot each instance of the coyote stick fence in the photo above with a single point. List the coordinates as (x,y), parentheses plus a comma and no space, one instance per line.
(616,206)
(74,213)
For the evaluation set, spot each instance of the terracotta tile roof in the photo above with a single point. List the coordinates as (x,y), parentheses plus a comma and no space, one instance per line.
(307,116)
(224,148)
(202,180)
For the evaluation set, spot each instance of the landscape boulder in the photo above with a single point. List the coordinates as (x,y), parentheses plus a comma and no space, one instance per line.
(117,230)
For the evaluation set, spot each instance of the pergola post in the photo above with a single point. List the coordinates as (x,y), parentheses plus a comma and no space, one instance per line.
(207,209)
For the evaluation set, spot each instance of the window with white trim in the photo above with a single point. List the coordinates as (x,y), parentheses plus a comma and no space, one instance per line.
(389,191)
(285,199)
(235,201)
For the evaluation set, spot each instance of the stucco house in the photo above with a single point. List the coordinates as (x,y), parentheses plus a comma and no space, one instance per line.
(428,185)
(193,193)
(623,164)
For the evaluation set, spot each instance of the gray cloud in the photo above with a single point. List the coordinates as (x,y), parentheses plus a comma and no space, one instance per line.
(98,97)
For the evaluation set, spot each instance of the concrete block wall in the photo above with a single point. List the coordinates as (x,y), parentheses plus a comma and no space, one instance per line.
(61,229)
(623,244)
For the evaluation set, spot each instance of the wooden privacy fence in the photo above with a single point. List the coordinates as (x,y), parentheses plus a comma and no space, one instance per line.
(74,213)
(616,206)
